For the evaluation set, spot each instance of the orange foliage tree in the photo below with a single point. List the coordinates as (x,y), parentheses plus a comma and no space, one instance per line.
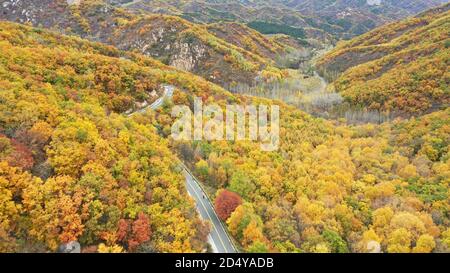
(226,202)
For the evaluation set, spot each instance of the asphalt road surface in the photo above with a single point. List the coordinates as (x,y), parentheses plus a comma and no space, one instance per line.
(168,93)
(124,5)
(218,238)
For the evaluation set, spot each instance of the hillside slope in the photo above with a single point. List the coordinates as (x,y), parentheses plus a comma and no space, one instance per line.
(338,19)
(247,38)
(399,67)
(172,40)
(72,167)
(70,153)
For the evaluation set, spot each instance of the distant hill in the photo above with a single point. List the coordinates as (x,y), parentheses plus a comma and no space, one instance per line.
(251,40)
(74,166)
(402,66)
(338,18)
(172,40)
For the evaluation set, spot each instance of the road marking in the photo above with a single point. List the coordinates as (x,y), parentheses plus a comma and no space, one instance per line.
(214,226)
(213,245)
(168,93)
(223,229)
(210,238)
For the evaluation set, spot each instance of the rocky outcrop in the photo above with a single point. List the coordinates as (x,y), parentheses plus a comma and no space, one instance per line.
(172,40)
(188,56)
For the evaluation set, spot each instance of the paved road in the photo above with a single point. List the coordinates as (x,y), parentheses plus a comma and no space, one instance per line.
(218,238)
(168,93)
(124,5)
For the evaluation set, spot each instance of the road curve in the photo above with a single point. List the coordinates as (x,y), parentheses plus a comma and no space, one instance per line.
(218,237)
(124,5)
(168,93)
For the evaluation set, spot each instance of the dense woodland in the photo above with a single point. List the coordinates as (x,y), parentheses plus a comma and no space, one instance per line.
(321,19)
(400,67)
(74,166)
(333,189)
(170,39)
(272,28)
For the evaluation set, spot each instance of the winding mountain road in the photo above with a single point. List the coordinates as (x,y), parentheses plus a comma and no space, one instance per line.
(124,5)
(218,237)
(168,93)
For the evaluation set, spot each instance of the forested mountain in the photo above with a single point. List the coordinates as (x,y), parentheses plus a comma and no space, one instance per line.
(170,39)
(401,67)
(77,166)
(72,167)
(337,18)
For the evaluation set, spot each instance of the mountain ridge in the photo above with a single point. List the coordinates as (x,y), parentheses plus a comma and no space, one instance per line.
(398,67)
(341,18)
(172,40)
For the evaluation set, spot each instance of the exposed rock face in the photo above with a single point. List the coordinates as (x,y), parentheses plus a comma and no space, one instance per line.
(187,56)
(45,13)
(163,42)
(172,40)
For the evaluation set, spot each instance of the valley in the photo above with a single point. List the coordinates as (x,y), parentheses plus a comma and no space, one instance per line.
(87,154)
(305,89)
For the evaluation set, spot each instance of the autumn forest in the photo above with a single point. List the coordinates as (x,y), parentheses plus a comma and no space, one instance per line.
(87,157)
